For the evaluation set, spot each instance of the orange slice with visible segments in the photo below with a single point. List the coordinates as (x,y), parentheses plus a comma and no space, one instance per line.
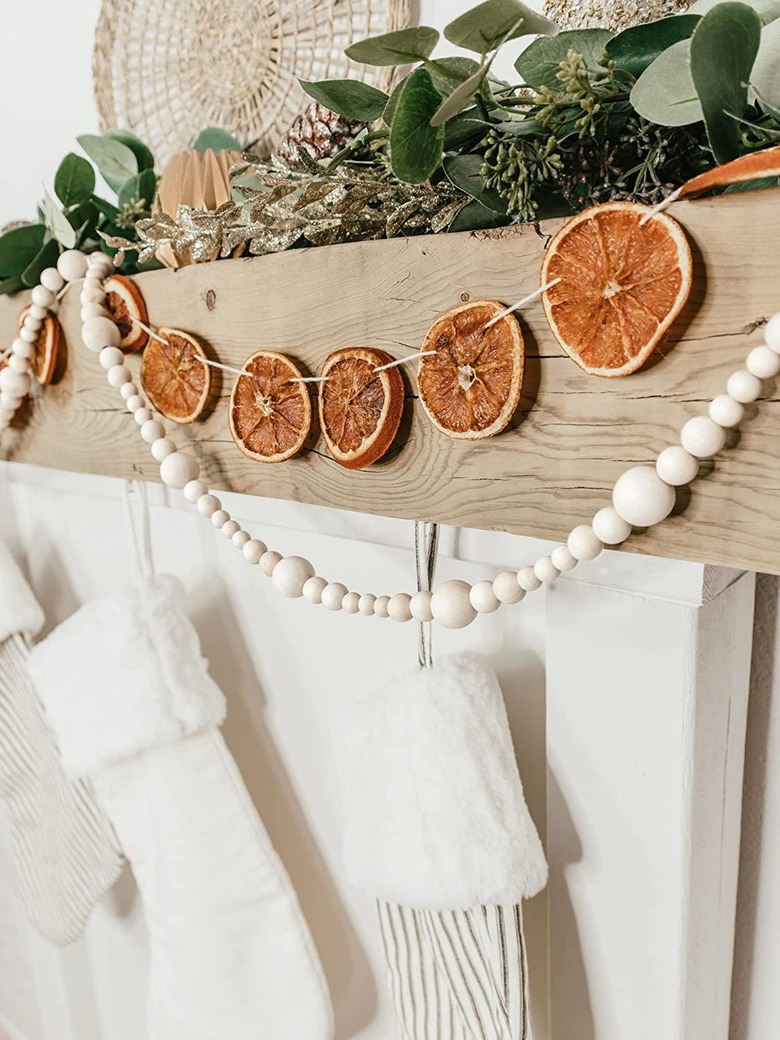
(470,386)
(622,286)
(43,363)
(270,416)
(177,384)
(360,408)
(123,302)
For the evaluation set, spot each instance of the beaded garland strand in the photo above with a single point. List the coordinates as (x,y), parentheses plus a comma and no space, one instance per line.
(642,497)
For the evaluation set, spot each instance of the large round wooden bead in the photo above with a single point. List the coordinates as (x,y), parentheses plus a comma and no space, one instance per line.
(333,595)
(312,590)
(179,469)
(291,574)
(16,383)
(641,498)
(72,265)
(421,606)
(726,412)
(744,387)
(451,605)
(507,589)
(52,279)
(546,571)
(763,363)
(367,602)
(772,333)
(399,609)
(484,599)
(98,333)
(563,559)
(610,528)
(527,580)
(677,466)
(254,550)
(703,437)
(584,544)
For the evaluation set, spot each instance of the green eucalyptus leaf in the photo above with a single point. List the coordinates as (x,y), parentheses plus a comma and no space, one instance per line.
(74,180)
(46,257)
(116,161)
(395,48)
(57,223)
(540,63)
(349,97)
(665,92)
(218,140)
(494,22)
(449,73)
(12,284)
(108,209)
(460,97)
(142,153)
(392,102)
(467,128)
(635,49)
(724,48)
(465,172)
(19,247)
(768,10)
(86,212)
(140,188)
(476,217)
(765,78)
(415,146)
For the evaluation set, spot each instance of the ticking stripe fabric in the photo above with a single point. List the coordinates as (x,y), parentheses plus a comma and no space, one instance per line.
(457,974)
(64,852)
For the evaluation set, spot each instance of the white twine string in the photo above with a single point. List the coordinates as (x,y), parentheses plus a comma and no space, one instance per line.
(403,361)
(661,206)
(203,361)
(521,303)
(309,379)
(147,329)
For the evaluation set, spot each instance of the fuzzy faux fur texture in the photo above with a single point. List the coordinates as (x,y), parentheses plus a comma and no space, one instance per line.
(19,609)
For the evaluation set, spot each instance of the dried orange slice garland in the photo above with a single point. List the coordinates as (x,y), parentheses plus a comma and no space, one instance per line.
(470,385)
(623,283)
(755,166)
(176,382)
(43,363)
(360,408)
(270,416)
(124,301)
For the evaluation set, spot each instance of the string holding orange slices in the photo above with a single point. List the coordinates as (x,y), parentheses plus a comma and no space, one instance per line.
(270,412)
(43,363)
(178,384)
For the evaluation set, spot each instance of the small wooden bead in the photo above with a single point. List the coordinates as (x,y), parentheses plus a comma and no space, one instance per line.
(421,606)
(31,322)
(179,469)
(98,333)
(42,297)
(162,448)
(727,412)
(208,506)
(546,571)
(152,430)
(110,356)
(93,310)
(451,605)
(351,603)
(19,364)
(22,348)
(744,387)
(380,606)
(399,608)
(72,265)
(641,498)
(118,375)
(333,595)
(52,279)
(563,559)
(9,402)
(772,333)
(254,550)
(763,363)
(101,262)
(677,466)
(220,518)
(507,589)
(28,334)
(483,598)
(15,383)
(702,437)
(38,312)
(135,403)
(584,544)
(269,562)
(527,579)
(92,294)
(142,415)
(610,528)
(128,390)
(312,590)
(240,538)
(230,528)
(366,604)
(194,490)
(291,574)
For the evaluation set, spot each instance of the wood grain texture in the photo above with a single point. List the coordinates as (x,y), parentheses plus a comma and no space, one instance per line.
(571,439)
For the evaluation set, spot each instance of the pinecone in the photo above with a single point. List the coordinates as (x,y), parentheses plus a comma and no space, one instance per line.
(321,132)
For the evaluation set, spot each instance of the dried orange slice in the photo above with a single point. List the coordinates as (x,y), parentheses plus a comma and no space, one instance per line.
(43,363)
(622,285)
(123,301)
(470,387)
(270,416)
(747,168)
(176,383)
(360,408)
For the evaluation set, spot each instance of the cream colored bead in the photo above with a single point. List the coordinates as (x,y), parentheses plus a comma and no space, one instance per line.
(772,333)
(421,606)
(92,294)
(546,571)
(98,333)
(72,265)
(703,437)
(28,335)
(118,375)
(230,528)
(220,518)
(52,279)
(744,387)
(128,390)
(254,550)
(563,559)
(291,574)
(366,604)
(240,538)
(507,589)
(42,297)
(380,606)
(676,466)
(312,590)
(333,595)
(726,412)
(641,498)
(194,490)
(19,364)
(208,505)
(152,431)
(179,469)
(584,544)
(101,262)
(110,356)
(16,383)
(38,312)
(483,598)
(135,403)
(610,528)
(527,579)
(31,322)
(398,609)
(9,402)
(162,448)
(351,603)
(763,363)
(142,415)
(92,310)
(451,606)
(269,562)
(22,348)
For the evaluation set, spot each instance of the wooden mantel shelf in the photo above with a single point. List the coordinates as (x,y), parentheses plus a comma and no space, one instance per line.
(572,438)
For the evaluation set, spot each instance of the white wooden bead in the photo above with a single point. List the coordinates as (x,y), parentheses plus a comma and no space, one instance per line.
(546,571)
(118,375)
(152,431)
(483,598)
(101,262)
(194,490)
(563,559)
(744,387)
(240,538)
(28,335)
(179,469)
(142,415)
(584,544)
(31,322)
(507,589)
(269,562)
(291,574)
(312,590)
(333,595)
(610,528)
(254,550)
(351,603)
(135,403)
(703,437)
(128,390)
(230,528)
(38,312)
(220,518)
(772,333)
(16,383)
(162,448)
(110,356)
(72,265)
(208,505)
(52,279)
(93,310)
(398,609)
(451,606)
(527,579)
(676,466)
(763,363)
(421,606)
(19,364)
(42,297)
(92,294)
(98,333)
(10,402)
(21,348)
(380,606)
(727,412)
(641,498)
(366,604)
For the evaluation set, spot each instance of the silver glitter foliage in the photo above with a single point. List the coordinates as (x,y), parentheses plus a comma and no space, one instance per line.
(610,14)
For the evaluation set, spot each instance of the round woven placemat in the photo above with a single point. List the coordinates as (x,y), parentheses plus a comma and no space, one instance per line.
(166,69)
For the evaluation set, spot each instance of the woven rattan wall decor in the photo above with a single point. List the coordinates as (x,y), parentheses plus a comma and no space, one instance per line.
(166,68)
